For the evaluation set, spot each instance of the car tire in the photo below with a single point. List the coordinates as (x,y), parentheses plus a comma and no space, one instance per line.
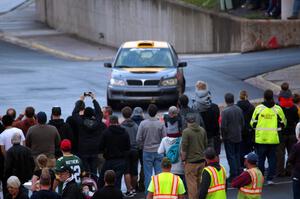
(112,103)
(183,87)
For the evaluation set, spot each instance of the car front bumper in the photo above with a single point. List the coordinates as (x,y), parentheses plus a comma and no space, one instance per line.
(153,94)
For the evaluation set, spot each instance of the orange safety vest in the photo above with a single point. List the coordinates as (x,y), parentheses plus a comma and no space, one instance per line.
(254,189)
(173,192)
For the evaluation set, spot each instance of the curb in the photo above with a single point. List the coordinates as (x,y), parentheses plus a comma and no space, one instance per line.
(39,47)
(260,82)
(14,8)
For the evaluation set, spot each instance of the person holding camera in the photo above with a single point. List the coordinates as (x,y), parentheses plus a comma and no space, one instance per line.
(90,128)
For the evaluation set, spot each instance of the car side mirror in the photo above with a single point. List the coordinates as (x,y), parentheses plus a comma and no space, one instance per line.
(182,64)
(107,65)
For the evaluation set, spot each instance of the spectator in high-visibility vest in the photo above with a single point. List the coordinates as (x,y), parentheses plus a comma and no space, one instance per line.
(213,184)
(251,181)
(166,184)
(268,120)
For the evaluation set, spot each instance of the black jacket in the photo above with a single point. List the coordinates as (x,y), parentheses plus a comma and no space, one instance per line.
(292,117)
(108,192)
(248,110)
(89,130)
(19,162)
(211,120)
(115,142)
(45,194)
(72,191)
(21,195)
(64,129)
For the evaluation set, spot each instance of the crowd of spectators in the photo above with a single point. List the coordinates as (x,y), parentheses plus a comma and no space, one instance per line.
(87,155)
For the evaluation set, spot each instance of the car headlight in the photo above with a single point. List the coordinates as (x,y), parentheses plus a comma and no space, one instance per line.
(169,82)
(117,82)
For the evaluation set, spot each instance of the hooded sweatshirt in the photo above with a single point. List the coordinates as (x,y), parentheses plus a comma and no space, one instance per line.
(131,127)
(63,128)
(248,110)
(194,142)
(202,100)
(115,142)
(90,132)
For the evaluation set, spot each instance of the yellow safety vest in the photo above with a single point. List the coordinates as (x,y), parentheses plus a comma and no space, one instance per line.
(254,189)
(216,188)
(163,194)
(266,120)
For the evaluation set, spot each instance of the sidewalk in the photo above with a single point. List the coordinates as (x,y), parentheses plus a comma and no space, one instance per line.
(273,80)
(9,5)
(20,27)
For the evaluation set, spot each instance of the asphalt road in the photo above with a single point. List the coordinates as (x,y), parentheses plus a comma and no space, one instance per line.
(32,78)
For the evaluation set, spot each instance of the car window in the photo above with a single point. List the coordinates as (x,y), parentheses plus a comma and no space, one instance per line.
(144,57)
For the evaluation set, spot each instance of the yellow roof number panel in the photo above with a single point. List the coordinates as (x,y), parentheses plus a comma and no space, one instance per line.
(145,44)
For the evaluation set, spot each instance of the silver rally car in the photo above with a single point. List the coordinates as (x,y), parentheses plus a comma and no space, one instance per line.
(145,71)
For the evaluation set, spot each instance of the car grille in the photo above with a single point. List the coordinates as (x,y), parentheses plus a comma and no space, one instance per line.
(142,94)
(151,83)
(133,82)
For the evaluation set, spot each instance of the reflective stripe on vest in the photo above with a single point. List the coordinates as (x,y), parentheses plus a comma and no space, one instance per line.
(217,185)
(255,187)
(173,191)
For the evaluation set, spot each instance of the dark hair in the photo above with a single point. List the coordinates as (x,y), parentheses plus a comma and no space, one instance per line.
(29,112)
(243,95)
(152,110)
(210,153)
(56,111)
(11,112)
(183,101)
(110,177)
(285,86)
(229,98)
(42,160)
(7,120)
(113,119)
(45,178)
(89,112)
(126,112)
(296,98)
(268,95)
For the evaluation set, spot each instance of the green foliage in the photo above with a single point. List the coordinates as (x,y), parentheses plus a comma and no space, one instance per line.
(211,4)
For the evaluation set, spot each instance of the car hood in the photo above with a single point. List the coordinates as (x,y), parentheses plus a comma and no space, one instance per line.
(147,73)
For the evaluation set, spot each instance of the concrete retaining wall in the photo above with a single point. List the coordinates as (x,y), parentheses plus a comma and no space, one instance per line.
(190,29)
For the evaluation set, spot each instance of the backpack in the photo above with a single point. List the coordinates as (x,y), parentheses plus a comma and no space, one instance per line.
(173,152)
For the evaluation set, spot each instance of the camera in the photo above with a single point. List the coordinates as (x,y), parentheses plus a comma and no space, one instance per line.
(87,94)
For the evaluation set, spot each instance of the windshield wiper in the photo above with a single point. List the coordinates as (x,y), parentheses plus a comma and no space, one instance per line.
(123,66)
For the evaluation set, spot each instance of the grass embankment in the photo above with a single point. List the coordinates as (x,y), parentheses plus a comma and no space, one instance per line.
(211,4)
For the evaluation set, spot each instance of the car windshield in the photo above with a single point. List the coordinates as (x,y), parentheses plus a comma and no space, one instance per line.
(144,57)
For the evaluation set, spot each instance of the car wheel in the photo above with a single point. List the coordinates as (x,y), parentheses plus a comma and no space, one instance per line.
(112,103)
(183,87)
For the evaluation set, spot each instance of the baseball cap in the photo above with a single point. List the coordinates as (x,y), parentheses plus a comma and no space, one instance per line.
(252,157)
(56,110)
(65,145)
(64,168)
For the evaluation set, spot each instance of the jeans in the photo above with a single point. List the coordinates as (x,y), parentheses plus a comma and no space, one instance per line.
(118,166)
(151,160)
(90,163)
(296,188)
(296,7)
(286,143)
(232,151)
(245,147)
(267,151)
